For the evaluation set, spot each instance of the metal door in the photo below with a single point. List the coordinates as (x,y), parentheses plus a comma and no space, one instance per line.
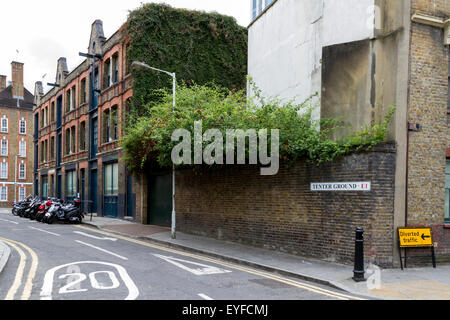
(160,200)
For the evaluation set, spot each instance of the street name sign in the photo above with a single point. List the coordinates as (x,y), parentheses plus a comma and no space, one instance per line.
(415,237)
(341,186)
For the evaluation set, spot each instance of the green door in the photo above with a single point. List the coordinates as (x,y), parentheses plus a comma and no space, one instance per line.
(160,200)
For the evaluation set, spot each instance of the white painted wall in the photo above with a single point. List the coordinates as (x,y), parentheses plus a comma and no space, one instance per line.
(285,44)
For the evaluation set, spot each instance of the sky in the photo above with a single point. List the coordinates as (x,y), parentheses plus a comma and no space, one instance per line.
(38,33)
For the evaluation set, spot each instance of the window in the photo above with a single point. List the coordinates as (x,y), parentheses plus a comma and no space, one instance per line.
(22,127)
(258,6)
(52,148)
(110,125)
(83,91)
(45,116)
(107,74)
(114,126)
(4,148)
(4,170)
(71,184)
(52,112)
(22,172)
(73,131)
(73,103)
(21,193)
(4,128)
(115,68)
(83,135)
(68,101)
(23,149)
(44,190)
(67,142)
(4,194)
(112,179)
(106,126)
(447,192)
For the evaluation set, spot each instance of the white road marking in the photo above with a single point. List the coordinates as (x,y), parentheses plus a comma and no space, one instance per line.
(205,270)
(47,287)
(103,250)
(205,297)
(52,233)
(94,237)
(9,221)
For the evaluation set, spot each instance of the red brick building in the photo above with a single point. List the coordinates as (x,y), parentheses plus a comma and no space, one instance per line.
(78,129)
(16,139)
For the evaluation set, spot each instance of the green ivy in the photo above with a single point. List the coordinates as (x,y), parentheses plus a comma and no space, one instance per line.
(199,47)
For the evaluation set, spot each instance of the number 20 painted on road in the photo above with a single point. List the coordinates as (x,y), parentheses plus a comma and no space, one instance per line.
(77,278)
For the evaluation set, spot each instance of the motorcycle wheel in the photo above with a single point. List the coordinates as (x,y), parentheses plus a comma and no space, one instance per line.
(14,211)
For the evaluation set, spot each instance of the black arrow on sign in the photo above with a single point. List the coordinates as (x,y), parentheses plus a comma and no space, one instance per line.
(424,236)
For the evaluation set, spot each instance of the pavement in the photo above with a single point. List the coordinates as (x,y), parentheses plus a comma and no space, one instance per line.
(390,284)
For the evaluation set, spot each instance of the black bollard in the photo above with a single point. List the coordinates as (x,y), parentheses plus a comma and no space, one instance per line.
(358,273)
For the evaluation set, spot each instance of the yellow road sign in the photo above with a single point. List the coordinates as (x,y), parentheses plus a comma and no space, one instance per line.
(415,237)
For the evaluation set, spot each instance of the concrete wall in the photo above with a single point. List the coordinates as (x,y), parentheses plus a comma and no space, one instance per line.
(285,43)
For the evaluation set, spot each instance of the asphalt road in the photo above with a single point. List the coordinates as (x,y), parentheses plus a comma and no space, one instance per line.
(67,262)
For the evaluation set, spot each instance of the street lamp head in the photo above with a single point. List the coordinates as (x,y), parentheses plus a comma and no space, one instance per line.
(139,65)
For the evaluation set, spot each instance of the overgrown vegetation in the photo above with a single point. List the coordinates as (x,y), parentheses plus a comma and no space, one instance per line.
(199,47)
(148,140)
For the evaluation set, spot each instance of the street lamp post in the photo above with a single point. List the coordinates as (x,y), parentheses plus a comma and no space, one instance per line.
(137,64)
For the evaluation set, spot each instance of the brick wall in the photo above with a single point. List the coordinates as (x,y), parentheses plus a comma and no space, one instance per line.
(281,213)
(428,107)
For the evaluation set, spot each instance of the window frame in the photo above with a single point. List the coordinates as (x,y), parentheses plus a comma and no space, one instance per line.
(4,170)
(22,147)
(22,172)
(7,148)
(24,122)
(4,129)
(5,188)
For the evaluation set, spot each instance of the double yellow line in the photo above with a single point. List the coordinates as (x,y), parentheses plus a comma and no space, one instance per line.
(298,284)
(18,280)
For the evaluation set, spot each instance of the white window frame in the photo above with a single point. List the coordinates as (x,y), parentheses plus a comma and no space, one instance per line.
(24,127)
(23,149)
(4,170)
(22,171)
(4,127)
(4,154)
(22,193)
(3,194)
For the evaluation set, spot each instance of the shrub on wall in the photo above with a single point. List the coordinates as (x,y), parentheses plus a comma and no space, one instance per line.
(148,140)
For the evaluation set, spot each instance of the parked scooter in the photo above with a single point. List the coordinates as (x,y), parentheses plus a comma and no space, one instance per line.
(51,215)
(32,209)
(20,206)
(70,213)
(43,209)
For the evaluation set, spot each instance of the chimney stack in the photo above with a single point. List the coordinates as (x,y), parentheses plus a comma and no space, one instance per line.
(2,82)
(17,79)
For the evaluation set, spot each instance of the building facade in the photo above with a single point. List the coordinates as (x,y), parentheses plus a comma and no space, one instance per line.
(16,138)
(78,125)
(361,57)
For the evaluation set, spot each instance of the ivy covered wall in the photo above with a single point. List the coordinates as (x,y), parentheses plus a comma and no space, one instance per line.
(199,47)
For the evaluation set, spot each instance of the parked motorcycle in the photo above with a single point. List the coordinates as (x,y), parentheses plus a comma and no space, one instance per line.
(70,213)
(19,207)
(43,209)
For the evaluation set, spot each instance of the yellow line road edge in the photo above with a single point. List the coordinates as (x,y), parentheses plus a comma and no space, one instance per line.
(297,284)
(26,293)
